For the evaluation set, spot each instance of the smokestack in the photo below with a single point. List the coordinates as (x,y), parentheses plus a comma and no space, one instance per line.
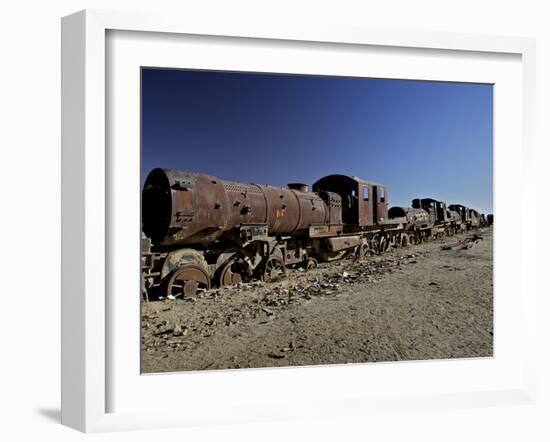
(300,187)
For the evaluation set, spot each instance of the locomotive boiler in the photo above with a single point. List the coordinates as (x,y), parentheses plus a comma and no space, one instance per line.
(182,208)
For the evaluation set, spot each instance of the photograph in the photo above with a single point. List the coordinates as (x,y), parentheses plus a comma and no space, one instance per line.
(302,220)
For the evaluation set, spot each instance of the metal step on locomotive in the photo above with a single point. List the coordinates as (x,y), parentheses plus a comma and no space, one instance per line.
(199,231)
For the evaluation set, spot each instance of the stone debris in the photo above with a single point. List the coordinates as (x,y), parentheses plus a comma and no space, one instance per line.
(276,355)
(466,243)
(163,329)
(330,280)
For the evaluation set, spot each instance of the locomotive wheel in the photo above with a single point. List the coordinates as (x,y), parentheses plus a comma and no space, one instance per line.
(311,264)
(404,240)
(412,239)
(229,274)
(273,268)
(361,251)
(186,281)
(375,244)
(383,245)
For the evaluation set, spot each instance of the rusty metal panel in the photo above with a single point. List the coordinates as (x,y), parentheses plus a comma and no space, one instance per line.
(283,210)
(366,201)
(183,207)
(454,216)
(410,216)
(418,217)
(437,210)
(246,204)
(463,211)
(182,200)
(254,232)
(313,210)
(338,243)
(320,231)
(333,201)
(380,202)
(475,218)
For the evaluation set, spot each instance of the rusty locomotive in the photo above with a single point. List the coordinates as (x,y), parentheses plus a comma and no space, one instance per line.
(199,231)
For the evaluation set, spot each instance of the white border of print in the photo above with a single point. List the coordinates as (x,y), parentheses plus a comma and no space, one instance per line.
(128,51)
(102,389)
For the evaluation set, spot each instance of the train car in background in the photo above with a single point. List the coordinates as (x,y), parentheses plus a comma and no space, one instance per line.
(464,213)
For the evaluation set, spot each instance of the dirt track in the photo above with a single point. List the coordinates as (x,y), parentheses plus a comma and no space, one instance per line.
(412,303)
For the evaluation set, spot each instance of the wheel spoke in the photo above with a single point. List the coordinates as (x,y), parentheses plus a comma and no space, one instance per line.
(187,280)
(273,268)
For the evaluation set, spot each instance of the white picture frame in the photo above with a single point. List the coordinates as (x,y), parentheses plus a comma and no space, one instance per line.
(88,320)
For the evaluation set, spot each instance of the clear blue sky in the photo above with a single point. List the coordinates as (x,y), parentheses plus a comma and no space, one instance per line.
(419,138)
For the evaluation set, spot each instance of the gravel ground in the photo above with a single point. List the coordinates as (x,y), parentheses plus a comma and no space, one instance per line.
(413,303)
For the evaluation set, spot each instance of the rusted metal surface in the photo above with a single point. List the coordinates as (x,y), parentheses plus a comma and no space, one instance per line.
(192,209)
(178,258)
(463,211)
(186,280)
(437,210)
(475,218)
(454,216)
(336,244)
(230,274)
(321,231)
(409,216)
(273,268)
(380,203)
(363,203)
(333,201)
(183,208)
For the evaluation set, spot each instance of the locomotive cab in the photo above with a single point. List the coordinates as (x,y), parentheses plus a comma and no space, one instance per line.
(363,203)
(475,218)
(463,211)
(437,210)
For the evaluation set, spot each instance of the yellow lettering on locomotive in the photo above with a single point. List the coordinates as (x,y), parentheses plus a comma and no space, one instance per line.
(280,212)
